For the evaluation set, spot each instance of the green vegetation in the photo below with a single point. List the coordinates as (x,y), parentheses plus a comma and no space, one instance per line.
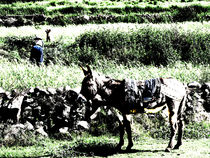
(157,44)
(23,75)
(86,146)
(65,12)
(121,50)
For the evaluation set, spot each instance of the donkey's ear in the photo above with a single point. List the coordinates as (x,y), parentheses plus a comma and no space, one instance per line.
(89,70)
(84,71)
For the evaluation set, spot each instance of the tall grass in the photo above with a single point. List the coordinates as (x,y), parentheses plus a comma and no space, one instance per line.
(23,75)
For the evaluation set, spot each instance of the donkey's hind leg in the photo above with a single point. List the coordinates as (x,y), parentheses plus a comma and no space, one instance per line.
(180,124)
(180,134)
(173,111)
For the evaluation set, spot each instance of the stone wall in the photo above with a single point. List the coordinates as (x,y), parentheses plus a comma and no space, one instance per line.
(198,102)
(46,111)
(21,20)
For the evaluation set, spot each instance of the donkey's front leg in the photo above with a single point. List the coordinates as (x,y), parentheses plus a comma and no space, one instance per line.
(121,128)
(129,132)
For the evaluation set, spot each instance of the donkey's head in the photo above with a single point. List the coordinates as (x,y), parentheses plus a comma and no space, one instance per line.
(90,84)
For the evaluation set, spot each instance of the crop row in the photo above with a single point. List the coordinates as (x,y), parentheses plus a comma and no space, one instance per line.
(68,7)
(65,12)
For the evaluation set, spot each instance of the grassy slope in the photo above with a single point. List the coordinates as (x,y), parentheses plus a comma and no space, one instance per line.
(52,6)
(104,146)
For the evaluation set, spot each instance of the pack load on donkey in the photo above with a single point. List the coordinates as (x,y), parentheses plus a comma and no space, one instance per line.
(147,94)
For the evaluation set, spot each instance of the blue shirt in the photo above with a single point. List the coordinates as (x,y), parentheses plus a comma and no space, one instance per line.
(37,54)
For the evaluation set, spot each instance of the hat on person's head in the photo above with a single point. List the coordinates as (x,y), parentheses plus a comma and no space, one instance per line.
(37,38)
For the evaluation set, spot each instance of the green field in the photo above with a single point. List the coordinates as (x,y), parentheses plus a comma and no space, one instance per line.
(122,50)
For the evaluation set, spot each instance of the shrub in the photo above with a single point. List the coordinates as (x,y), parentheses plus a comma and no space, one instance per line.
(8,10)
(19,45)
(188,13)
(196,130)
(148,45)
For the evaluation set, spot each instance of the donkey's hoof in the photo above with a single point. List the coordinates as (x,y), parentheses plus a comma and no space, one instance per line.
(118,147)
(177,146)
(129,147)
(168,150)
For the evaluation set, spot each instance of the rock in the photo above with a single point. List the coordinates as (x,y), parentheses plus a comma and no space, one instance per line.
(207,85)
(14,131)
(41,131)
(83,124)
(40,92)
(95,114)
(66,112)
(2,90)
(60,90)
(206,96)
(42,109)
(31,90)
(10,21)
(16,104)
(52,91)
(64,130)
(1,22)
(86,17)
(28,126)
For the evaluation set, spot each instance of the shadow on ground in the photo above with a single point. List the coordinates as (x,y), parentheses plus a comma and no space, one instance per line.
(104,150)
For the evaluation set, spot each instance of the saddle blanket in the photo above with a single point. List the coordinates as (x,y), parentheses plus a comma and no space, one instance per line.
(173,89)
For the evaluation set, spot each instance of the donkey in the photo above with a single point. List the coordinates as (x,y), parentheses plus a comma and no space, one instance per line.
(100,90)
